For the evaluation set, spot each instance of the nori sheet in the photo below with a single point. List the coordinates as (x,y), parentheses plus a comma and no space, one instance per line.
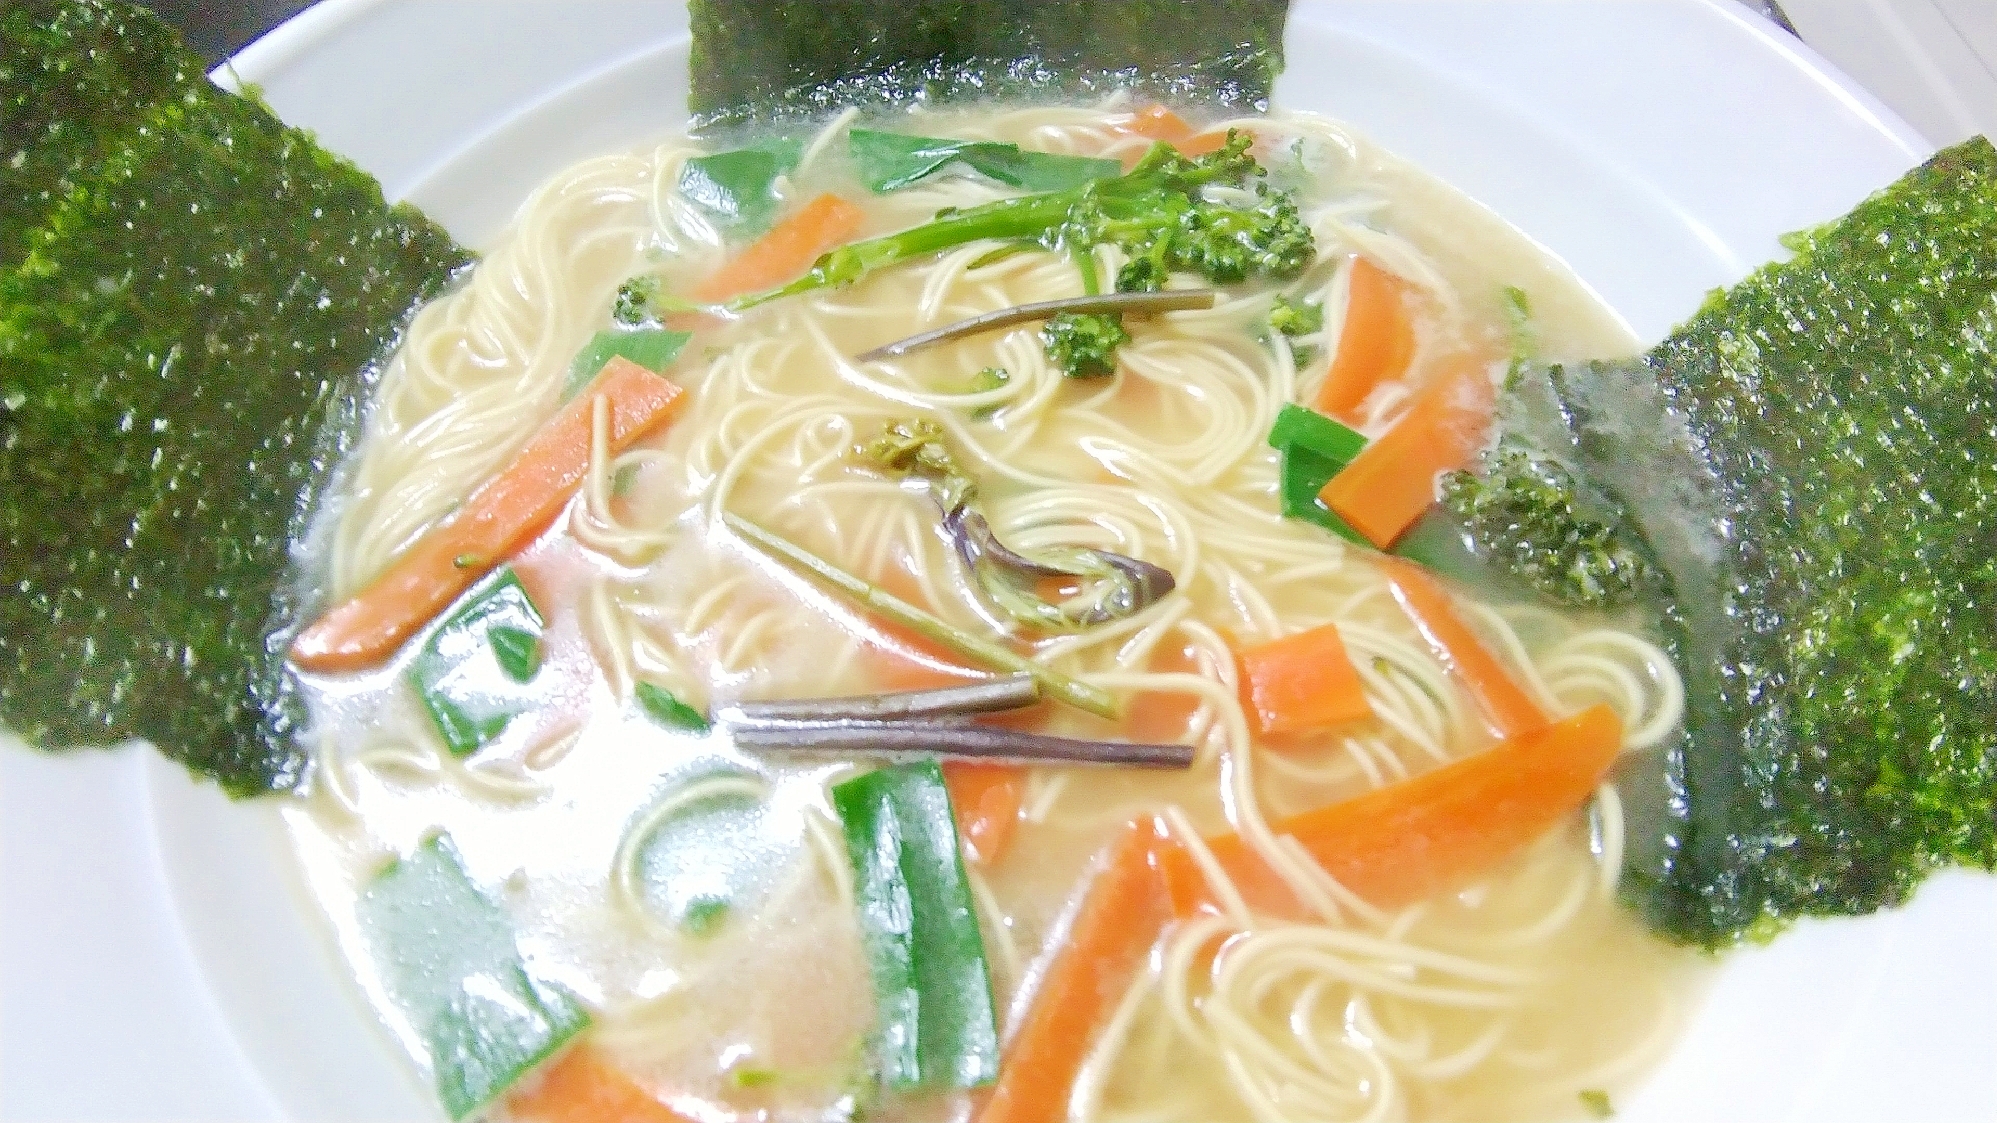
(185,348)
(754,62)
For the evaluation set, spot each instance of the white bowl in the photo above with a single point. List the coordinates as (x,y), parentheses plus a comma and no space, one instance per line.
(157,961)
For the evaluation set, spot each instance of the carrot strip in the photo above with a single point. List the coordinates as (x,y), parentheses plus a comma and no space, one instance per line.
(1120,918)
(1392,480)
(785,250)
(580,1087)
(987,799)
(503,515)
(1302,681)
(1506,705)
(1156,122)
(1376,344)
(1435,832)
(1159,123)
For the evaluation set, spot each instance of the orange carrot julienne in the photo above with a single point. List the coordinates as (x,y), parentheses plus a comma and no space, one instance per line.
(1375,345)
(1122,912)
(1436,832)
(1506,705)
(785,250)
(503,515)
(581,1087)
(987,799)
(1159,123)
(1392,480)
(1156,122)
(1302,681)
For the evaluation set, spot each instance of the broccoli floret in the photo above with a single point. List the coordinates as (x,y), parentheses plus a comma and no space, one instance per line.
(1084,345)
(1296,317)
(1158,213)
(1523,515)
(1227,244)
(633,306)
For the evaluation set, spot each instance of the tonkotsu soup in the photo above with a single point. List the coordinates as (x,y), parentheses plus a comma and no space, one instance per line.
(581,875)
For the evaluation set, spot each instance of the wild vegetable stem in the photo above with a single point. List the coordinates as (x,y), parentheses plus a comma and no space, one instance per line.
(1070,690)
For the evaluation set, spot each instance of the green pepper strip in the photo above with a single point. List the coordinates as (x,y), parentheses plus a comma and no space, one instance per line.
(937,1027)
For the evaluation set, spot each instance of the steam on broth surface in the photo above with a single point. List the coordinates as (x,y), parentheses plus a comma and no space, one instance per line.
(698,899)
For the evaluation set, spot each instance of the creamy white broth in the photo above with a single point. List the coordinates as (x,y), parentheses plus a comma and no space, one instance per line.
(1555,988)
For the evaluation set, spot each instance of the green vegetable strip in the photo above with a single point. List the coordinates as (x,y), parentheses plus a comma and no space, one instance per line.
(996,656)
(651,348)
(662,706)
(447,957)
(184,352)
(738,188)
(1158,212)
(891,161)
(1314,449)
(935,1026)
(1298,427)
(468,672)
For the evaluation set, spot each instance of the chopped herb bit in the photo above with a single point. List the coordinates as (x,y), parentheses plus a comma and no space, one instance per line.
(625,479)
(984,382)
(1597,1103)
(1004,251)
(468,561)
(661,706)
(518,651)
(748,1077)
(704,916)
(1296,317)
(1518,318)
(988,379)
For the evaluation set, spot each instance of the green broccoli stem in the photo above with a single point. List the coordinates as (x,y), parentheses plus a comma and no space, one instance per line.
(1026,218)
